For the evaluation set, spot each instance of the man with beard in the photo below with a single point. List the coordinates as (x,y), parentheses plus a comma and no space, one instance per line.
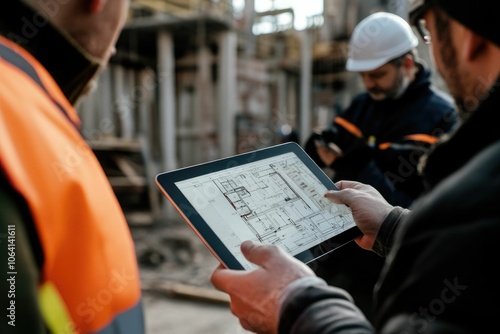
(380,138)
(440,272)
(67,256)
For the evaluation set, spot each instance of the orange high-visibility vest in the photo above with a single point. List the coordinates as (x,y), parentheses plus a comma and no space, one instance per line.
(89,279)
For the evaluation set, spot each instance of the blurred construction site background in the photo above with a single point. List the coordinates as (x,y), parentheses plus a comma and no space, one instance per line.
(197,80)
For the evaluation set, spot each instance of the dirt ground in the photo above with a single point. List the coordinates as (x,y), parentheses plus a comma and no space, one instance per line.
(175,268)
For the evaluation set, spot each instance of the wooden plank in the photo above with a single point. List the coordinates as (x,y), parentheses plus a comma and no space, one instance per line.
(190,292)
(128,181)
(139,218)
(115,144)
(126,167)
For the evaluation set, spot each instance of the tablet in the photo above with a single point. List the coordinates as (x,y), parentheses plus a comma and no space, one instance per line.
(272,195)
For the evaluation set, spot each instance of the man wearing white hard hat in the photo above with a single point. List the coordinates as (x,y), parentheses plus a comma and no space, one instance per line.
(381,136)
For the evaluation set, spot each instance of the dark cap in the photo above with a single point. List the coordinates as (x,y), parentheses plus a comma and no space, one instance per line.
(480,16)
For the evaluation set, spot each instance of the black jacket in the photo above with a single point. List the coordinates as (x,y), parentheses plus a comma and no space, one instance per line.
(390,166)
(440,275)
(385,156)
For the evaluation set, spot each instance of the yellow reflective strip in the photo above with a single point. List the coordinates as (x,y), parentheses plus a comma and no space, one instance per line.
(353,129)
(54,310)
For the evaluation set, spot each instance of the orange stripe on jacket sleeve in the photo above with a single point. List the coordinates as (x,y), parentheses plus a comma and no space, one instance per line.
(384,146)
(422,138)
(353,129)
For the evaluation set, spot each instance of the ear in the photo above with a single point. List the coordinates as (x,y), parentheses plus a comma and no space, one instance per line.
(95,6)
(473,45)
(408,61)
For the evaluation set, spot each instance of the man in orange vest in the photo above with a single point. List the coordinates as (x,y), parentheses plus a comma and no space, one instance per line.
(67,256)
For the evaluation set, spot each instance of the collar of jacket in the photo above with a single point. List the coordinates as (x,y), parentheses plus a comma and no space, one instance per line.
(469,138)
(70,66)
(421,82)
(422,79)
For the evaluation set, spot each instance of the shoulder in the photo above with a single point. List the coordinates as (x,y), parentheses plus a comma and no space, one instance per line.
(357,103)
(434,105)
(450,240)
(424,91)
(430,95)
(360,98)
(441,97)
(470,194)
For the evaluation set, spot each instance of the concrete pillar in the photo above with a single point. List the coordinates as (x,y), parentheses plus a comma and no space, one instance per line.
(281,83)
(305,128)
(145,98)
(204,123)
(129,122)
(105,122)
(123,102)
(118,101)
(144,94)
(249,17)
(227,93)
(166,100)
(398,7)
(291,113)
(88,111)
(282,97)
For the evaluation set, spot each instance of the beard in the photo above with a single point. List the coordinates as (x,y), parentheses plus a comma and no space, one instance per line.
(465,90)
(468,90)
(399,86)
(452,76)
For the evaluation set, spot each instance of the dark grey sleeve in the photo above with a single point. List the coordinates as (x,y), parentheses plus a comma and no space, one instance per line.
(315,308)
(385,236)
(321,309)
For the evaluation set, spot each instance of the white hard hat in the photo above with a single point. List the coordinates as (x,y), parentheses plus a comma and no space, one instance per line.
(377,39)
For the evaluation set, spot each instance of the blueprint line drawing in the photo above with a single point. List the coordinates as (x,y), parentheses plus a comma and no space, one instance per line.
(274,201)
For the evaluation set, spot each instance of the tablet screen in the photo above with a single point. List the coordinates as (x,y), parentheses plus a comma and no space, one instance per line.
(276,200)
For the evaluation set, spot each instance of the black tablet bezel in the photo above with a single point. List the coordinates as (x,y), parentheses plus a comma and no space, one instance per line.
(166,182)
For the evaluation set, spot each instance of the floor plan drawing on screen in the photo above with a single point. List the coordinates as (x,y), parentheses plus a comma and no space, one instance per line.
(275,201)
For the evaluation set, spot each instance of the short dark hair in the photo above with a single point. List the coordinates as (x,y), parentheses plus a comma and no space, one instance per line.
(398,61)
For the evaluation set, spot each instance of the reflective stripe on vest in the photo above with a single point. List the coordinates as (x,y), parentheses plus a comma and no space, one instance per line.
(12,57)
(90,279)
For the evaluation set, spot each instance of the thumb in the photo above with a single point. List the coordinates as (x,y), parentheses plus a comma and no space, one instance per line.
(339,197)
(258,253)
(345,194)
(346,184)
